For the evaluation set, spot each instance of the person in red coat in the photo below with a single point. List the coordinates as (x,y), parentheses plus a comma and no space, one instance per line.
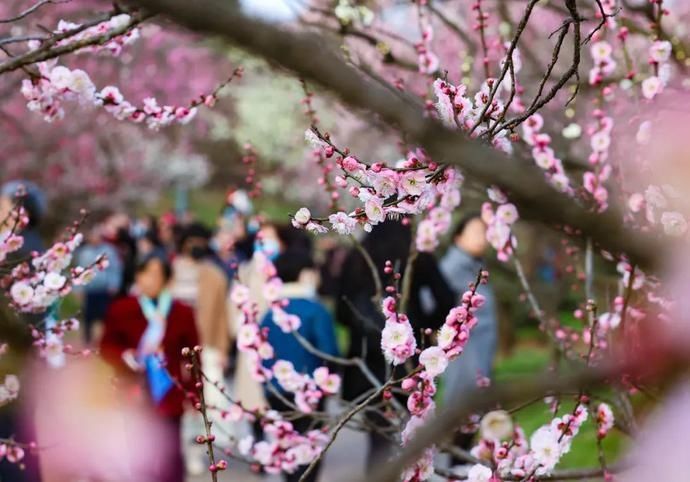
(143,340)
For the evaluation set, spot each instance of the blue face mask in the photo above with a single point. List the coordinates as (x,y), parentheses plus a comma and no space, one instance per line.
(269,247)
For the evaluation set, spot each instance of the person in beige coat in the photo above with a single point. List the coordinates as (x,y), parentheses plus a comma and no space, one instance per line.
(247,390)
(199,282)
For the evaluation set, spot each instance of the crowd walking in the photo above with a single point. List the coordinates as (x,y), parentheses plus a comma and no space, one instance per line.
(168,284)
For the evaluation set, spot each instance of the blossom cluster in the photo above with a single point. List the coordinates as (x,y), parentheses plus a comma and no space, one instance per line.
(51,344)
(659,55)
(12,452)
(10,238)
(35,285)
(605,419)
(284,449)
(600,141)
(416,184)
(427,61)
(307,390)
(505,447)
(660,204)
(604,64)
(543,154)
(438,218)
(499,223)
(398,342)
(57,83)
(433,361)
(114,46)
(459,111)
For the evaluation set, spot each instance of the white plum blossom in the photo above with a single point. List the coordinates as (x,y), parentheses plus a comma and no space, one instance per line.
(651,86)
(545,448)
(609,321)
(507,213)
(660,51)
(601,51)
(301,218)
(385,183)
(434,360)
(246,335)
(572,131)
(600,141)
(413,182)
(120,21)
(373,208)
(446,336)
(397,341)
(54,281)
(342,223)
(496,425)
(21,293)
(479,473)
(239,294)
(81,83)
(61,77)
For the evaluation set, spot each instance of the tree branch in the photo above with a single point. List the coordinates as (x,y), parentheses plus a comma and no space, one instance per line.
(307,55)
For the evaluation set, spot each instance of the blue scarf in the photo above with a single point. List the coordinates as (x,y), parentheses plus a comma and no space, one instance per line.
(159,380)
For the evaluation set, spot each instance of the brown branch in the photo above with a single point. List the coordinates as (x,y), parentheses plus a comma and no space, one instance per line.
(307,55)
(195,358)
(342,422)
(47,52)
(440,428)
(31,10)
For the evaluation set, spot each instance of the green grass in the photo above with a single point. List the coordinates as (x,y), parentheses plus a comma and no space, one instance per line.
(531,359)
(206,205)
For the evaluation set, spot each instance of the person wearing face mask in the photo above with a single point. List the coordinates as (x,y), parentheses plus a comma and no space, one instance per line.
(143,340)
(267,246)
(200,283)
(271,240)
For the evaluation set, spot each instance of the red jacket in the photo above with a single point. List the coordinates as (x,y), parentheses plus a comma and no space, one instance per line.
(124,326)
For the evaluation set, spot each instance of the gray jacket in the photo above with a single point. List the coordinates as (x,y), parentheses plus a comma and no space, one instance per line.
(460,269)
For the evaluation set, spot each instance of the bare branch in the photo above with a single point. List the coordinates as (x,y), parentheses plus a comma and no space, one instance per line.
(48,51)
(307,55)
(31,10)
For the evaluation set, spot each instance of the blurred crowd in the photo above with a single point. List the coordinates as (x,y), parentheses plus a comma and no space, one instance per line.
(168,285)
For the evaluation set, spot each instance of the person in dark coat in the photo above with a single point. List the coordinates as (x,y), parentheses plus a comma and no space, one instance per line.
(357,310)
(17,418)
(139,331)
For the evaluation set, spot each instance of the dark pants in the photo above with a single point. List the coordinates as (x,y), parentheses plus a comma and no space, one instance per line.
(301,424)
(95,306)
(380,447)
